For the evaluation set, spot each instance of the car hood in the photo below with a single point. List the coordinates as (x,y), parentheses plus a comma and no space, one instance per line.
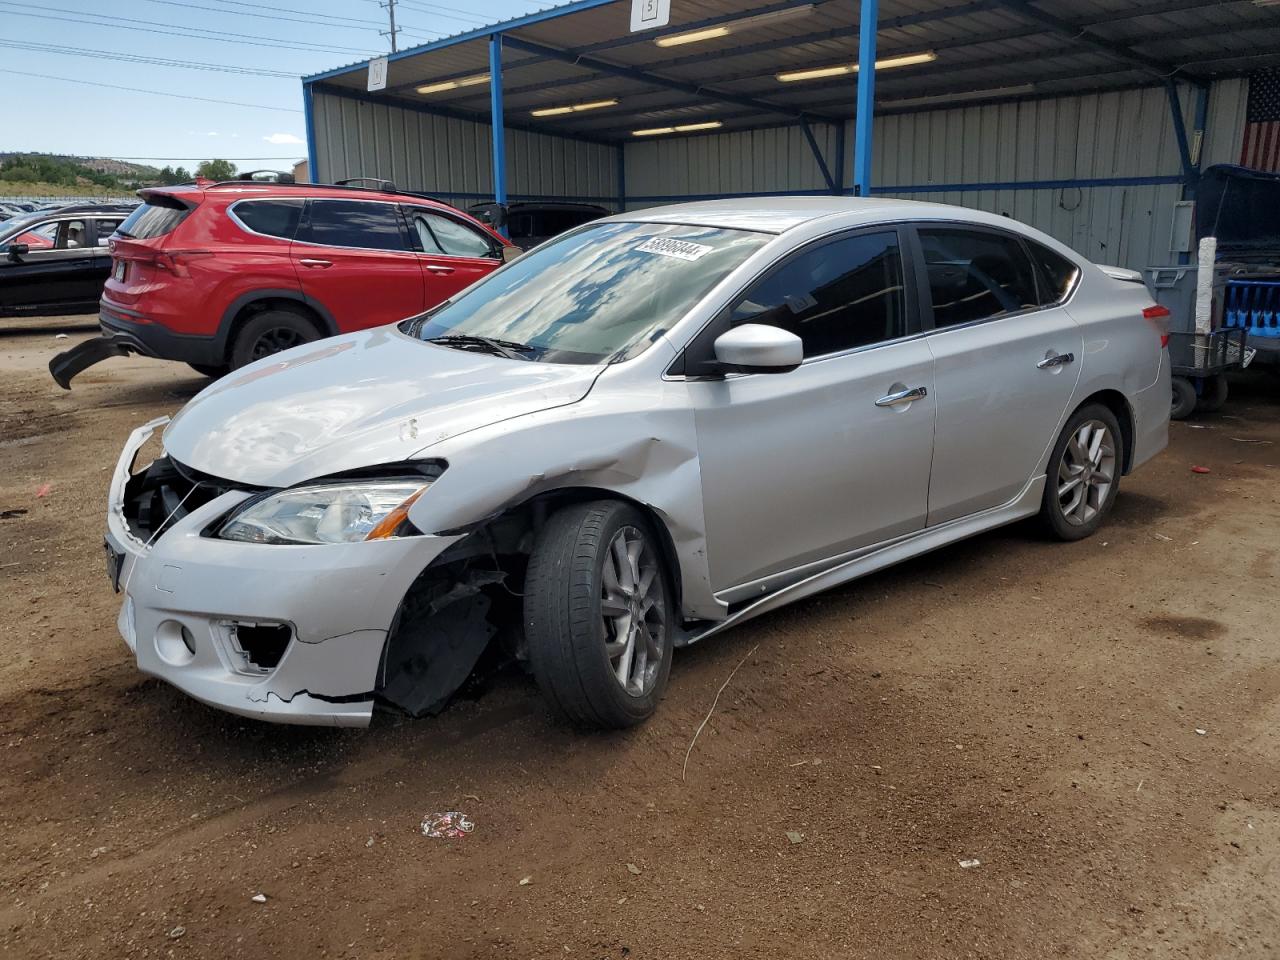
(356,401)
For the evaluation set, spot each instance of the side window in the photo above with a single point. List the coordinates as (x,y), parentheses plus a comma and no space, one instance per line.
(354,223)
(43,237)
(1057,273)
(976,276)
(445,236)
(275,218)
(105,229)
(72,235)
(843,294)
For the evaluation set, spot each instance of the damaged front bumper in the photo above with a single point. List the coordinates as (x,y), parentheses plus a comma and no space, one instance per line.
(291,634)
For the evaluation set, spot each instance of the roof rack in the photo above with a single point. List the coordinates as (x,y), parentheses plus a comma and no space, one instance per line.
(374,185)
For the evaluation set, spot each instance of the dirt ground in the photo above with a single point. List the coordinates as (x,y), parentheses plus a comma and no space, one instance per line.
(1096,723)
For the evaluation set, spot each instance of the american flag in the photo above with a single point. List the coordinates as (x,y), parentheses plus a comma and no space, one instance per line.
(1261,149)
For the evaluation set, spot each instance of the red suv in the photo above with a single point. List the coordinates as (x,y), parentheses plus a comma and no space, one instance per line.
(220,274)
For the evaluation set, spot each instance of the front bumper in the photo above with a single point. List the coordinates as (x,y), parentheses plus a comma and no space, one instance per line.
(185,595)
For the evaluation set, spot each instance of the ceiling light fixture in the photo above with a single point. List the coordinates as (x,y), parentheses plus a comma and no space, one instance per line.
(886,63)
(575,108)
(735,26)
(444,85)
(682,128)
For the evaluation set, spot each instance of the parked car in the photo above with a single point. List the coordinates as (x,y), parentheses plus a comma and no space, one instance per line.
(221,274)
(631,438)
(529,223)
(55,262)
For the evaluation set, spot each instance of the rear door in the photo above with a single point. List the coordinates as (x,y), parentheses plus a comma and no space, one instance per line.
(56,274)
(1006,360)
(354,258)
(453,254)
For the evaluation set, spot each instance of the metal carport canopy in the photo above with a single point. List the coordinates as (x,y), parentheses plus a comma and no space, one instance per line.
(728,73)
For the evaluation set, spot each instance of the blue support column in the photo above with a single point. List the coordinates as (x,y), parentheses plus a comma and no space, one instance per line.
(308,117)
(497,121)
(841,132)
(869,16)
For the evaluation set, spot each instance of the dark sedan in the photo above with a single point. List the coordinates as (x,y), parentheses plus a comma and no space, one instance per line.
(55,261)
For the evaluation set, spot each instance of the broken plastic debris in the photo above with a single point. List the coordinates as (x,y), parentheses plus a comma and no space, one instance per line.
(177,932)
(1199,469)
(448,826)
(1202,731)
(632,868)
(44,489)
(795,836)
(525,881)
(60,336)
(259,898)
(969,864)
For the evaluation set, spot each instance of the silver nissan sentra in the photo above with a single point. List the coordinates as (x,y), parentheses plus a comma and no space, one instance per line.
(644,431)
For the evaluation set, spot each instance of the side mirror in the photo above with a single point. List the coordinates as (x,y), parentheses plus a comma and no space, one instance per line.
(510,253)
(18,250)
(759,348)
(492,214)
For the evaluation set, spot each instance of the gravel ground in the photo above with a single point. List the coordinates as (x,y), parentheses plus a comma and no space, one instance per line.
(1095,723)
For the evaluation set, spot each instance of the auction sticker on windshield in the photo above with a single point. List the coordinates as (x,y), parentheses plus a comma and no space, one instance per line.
(683,249)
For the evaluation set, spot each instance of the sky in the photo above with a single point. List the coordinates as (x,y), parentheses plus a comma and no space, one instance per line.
(63,62)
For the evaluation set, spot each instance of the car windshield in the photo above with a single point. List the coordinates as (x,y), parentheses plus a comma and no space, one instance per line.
(602,293)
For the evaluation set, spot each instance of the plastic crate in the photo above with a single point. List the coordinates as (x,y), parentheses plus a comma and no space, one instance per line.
(1253,306)
(1206,354)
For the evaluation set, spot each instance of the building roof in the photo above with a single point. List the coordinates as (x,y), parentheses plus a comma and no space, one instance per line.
(985,50)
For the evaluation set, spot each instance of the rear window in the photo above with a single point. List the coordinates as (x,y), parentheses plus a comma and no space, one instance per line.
(1057,272)
(275,218)
(155,218)
(354,223)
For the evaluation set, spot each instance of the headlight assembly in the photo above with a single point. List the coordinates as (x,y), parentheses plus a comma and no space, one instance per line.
(326,513)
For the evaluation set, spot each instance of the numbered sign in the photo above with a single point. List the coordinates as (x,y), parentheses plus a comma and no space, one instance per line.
(648,14)
(378,74)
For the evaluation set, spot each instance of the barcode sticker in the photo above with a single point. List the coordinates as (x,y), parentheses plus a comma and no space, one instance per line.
(682,249)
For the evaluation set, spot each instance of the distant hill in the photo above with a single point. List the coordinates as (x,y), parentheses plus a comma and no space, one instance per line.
(75,174)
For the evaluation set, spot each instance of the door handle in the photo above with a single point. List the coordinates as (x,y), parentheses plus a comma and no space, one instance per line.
(312,262)
(903,396)
(437,268)
(1055,360)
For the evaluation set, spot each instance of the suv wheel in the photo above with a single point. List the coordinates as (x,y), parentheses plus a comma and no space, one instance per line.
(598,615)
(270,332)
(1084,474)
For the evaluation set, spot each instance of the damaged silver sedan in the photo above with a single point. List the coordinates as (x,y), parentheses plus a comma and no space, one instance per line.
(640,433)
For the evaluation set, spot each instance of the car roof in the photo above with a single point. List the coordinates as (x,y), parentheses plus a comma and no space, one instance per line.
(240,189)
(779,214)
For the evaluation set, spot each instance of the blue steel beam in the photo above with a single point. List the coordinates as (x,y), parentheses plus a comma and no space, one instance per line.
(1179,128)
(308,116)
(630,73)
(817,155)
(865,118)
(497,123)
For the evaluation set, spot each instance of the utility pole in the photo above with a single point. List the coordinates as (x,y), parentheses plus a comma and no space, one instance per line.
(390,7)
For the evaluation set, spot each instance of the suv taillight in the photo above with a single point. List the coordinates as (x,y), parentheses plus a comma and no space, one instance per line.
(172,261)
(1159,318)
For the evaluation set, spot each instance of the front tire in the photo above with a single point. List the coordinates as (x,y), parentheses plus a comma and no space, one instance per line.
(598,615)
(270,332)
(1084,474)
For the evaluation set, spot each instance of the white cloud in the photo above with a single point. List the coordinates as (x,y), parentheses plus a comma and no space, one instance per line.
(281,138)
(212,133)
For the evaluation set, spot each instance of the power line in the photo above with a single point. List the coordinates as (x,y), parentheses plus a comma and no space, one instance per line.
(127,23)
(309,13)
(242,13)
(449,13)
(158,93)
(91,53)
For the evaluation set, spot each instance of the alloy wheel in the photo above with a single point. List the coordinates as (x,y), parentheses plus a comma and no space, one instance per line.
(1086,472)
(275,340)
(633,611)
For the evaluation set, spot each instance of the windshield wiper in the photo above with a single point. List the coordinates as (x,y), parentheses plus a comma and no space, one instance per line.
(503,348)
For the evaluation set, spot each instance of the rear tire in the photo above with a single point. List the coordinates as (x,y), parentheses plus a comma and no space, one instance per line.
(270,332)
(209,370)
(1084,474)
(1213,393)
(598,615)
(1184,399)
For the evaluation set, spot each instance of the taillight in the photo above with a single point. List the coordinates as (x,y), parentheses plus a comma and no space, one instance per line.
(175,261)
(1160,318)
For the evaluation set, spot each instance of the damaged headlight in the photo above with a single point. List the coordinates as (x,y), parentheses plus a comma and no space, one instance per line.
(330,513)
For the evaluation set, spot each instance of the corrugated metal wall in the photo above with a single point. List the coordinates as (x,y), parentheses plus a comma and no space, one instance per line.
(1122,135)
(453,158)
